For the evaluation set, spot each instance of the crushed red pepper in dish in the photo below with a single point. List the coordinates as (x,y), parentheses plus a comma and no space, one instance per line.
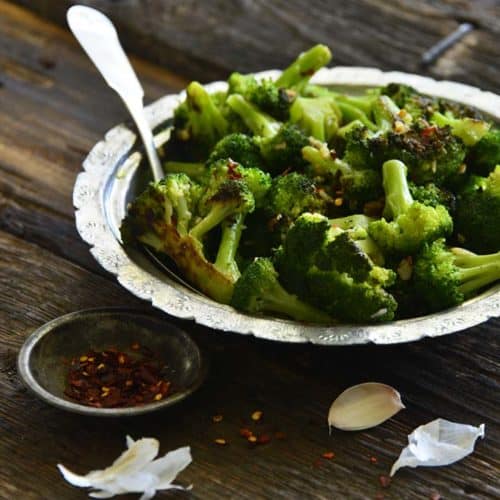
(114,379)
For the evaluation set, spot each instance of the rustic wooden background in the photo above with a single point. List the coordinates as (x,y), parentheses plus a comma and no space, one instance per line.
(54,107)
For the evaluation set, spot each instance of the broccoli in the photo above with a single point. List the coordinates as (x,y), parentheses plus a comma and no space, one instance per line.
(432,196)
(318,117)
(485,155)
(326,266)
(357,186)
(413,223)
(280,144)
(446,277)
(476,218)
(240,148)
(258,290)
(275,97)
(160,217)
(199,121)
(432,154)
(470,130)
(194,170)
(407,98)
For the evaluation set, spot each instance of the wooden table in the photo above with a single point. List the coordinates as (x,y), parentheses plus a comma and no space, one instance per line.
(54,107)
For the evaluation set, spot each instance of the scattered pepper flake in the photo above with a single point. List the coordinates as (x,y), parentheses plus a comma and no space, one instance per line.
(373,460)
(83,359)
(246,433)
(135,346)
(257,415)
(338,202)
(220,441)
(252,439)
(217,418)
(328,455)
(384,481)
(264,439)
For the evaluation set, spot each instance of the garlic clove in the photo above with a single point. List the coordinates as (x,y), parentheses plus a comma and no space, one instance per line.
(364,406)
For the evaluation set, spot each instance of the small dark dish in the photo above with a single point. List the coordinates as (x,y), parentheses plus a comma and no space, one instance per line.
(43,359)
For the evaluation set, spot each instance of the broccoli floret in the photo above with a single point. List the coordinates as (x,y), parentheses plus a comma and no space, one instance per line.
(470,130)
(199,121)
(161,217)
(318,117)
(485,155)
(326,266)
(258,290)
(446,277)
(356,186)
(275,97)
(432,154)
(407,98)
(240,148)
(432,196)
(412,223)
(478,210)
(280,144)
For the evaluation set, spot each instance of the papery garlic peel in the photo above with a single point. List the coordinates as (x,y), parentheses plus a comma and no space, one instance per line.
(364,406)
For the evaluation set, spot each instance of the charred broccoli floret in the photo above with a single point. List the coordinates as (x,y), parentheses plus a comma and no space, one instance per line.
(446,277)
(477,216)
(280,144)
(412,224)
(240,148)
(357,186)
(258,290)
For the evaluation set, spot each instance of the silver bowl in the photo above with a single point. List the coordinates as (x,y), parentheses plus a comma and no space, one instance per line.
(43,360)
(113,174)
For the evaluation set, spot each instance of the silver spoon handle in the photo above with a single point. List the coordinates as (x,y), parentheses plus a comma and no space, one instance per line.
(99,39)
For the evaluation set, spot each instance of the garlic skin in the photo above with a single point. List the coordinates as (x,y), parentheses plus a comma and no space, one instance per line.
(364,406)
(134,471)
(437,443)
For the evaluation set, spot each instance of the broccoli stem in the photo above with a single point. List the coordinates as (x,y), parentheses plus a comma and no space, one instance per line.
(465,258)
(217,213)
(278,300)
(470,130)
(351,113)
(259,123)
(231,233)
(299,73)
(475,278)
(363,102)
(183,214)
(385,113)
(352,221)
(192,170)
(209,117)
(397,193)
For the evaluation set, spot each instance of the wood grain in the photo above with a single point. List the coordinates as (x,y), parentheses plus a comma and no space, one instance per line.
(54,107)
(207,40)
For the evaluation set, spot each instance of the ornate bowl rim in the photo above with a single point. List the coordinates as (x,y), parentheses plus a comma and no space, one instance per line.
(110,162)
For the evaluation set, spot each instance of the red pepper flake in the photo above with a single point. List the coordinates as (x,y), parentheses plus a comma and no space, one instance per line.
(264,439)
(113,379)
(328,455)
(246,433)
(220,441)
(257,415)
(217,418)
(373,460)
(384,481)
(135,346)
(428,131)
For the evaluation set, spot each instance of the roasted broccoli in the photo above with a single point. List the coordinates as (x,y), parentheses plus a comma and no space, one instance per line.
(258,290)
(240,148)
(412,224)
(445,277)
(280,144)
(431,195)
(477,217)
(198,121)
(470,130)
(485,155)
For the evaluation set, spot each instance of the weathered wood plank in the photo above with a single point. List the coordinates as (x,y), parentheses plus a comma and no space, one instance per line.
(207,40)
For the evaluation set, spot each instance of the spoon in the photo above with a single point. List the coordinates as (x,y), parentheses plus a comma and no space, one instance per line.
(99,39)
